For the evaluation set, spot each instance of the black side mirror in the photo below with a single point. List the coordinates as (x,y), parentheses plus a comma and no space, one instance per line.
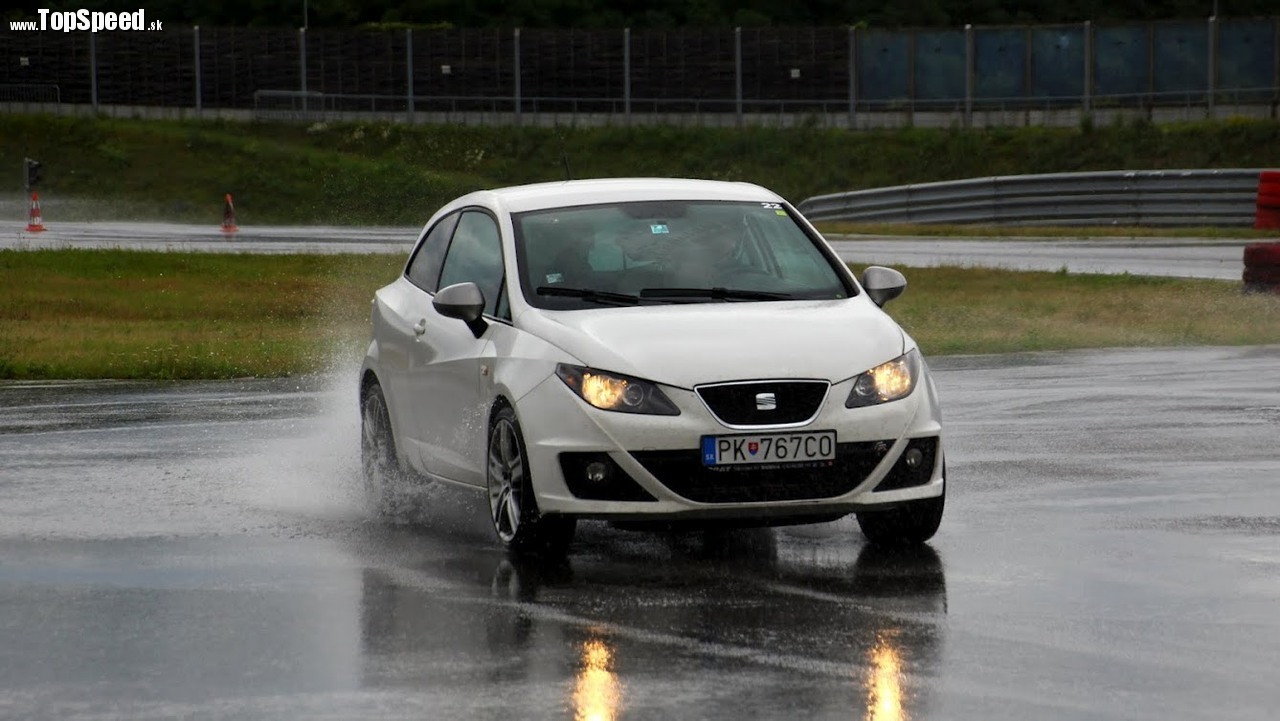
(883,284)
(464,301)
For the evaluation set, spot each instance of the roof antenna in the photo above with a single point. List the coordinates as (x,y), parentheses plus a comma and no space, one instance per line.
(564,160)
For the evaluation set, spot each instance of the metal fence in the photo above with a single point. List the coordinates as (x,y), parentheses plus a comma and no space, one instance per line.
(716,73)
(1168,198)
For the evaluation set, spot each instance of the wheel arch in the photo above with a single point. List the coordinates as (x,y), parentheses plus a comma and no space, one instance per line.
(499,402)
(368,379)
(540,535)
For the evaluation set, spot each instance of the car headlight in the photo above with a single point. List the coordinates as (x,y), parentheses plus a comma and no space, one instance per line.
(613,392)
(886,382)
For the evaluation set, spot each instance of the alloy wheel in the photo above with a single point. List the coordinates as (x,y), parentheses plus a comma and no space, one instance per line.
(505,480)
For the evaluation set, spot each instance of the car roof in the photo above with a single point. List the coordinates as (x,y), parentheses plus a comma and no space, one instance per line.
(540,196)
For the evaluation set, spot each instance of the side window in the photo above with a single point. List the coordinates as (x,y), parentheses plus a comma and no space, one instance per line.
(504,306)
(475,255)
(424,269)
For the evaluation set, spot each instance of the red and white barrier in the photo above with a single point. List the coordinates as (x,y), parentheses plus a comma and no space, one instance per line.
(1267,215)
(1262,268)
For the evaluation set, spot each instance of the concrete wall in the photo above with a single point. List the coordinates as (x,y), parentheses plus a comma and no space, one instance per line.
(862,120)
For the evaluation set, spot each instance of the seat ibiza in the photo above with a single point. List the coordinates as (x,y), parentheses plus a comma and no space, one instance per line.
(647,350)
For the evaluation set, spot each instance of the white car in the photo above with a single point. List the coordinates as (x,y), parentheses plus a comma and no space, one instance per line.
(641,350)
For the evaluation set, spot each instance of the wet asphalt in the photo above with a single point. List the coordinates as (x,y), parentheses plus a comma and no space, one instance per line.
(208,238)
(1217,258)
(1111,550)
(1221,259)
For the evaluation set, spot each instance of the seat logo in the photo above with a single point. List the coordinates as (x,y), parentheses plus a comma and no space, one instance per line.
(766,401)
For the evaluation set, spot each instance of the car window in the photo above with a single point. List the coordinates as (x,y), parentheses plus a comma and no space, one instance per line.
(794,261)
(504,306)
(644,248)
(475,255)
(424,267)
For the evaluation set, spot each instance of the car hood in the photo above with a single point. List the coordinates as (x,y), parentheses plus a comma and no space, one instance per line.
(689,344)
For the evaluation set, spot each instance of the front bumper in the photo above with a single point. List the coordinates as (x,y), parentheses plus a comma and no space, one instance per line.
(667,481)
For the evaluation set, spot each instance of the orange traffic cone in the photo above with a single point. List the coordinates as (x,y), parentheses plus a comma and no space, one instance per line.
(229,217)
(35,220)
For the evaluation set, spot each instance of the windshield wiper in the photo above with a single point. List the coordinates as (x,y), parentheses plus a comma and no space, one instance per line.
(590,295)
(714,294)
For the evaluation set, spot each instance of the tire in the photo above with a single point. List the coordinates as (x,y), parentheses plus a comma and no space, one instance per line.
(910,524)
(513,509)
(383,479)
(1264,219)
(1262,254)
(1264,274)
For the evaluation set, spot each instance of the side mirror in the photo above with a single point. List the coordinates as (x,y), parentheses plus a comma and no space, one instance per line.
(883,284)
(464,301)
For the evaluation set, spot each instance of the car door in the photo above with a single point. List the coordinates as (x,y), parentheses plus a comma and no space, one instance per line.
(444,380)
(399,307)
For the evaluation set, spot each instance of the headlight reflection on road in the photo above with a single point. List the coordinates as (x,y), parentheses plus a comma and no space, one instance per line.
(598,693)
(885,697)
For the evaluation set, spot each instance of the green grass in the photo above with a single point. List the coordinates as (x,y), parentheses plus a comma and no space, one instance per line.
(392,174)
(122,314)
(127,314)
(962,311)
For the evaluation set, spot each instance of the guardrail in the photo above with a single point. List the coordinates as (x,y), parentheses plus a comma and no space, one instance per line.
(30,93)
(1165,198)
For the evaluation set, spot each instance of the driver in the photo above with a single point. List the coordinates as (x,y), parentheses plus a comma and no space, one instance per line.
(710,256)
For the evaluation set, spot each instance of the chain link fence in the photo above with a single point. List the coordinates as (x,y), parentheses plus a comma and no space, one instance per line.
(836,76)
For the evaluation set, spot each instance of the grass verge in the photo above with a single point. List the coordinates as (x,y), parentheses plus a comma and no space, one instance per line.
(125,314)
(130,314)
(975,310)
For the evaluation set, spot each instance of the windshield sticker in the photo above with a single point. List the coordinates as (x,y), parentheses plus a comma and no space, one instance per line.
(659,229)
(783,213)
(554,277)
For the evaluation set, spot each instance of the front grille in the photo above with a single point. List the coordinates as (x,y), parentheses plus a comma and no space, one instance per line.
(683,473)
(747,404)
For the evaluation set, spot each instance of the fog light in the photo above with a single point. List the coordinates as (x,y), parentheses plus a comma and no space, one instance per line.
(914,458)
(597,472)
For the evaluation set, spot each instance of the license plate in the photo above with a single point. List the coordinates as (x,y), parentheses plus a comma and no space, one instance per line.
(768,448)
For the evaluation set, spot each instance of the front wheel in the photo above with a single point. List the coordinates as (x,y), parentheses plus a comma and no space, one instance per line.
(378,462)
(910,524)
(512,506)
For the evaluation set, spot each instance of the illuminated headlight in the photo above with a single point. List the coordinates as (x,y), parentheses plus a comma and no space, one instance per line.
(612,392)
(886,382)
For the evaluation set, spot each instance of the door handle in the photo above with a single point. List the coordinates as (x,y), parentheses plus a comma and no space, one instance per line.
(420,328)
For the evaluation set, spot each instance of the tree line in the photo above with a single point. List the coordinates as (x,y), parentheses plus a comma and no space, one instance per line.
(651,13)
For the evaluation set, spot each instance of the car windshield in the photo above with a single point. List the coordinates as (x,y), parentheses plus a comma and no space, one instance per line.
(669,252)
